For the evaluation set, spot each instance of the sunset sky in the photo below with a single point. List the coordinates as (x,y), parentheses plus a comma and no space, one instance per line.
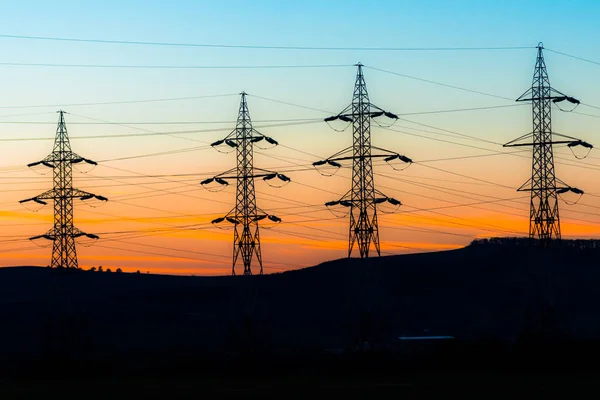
(463,182)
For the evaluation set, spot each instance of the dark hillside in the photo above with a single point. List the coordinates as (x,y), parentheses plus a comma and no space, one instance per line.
(491,293)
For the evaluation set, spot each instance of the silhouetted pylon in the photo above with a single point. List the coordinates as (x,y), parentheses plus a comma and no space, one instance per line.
(63,234)
(362,198)
(245,216)
(545,188)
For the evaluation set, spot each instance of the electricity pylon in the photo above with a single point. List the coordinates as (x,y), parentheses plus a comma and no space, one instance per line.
(63,234)
(245,216)
(544,219)
(362,198)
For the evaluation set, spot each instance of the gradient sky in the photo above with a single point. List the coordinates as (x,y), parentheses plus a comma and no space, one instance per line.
(142,224)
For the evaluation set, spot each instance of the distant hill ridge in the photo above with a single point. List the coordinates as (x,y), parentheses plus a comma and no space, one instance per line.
(581,244)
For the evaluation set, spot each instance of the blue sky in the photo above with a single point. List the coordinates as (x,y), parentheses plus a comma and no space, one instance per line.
(570,27)
(565,26)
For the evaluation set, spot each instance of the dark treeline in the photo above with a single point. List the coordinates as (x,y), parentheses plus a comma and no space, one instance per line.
(522,242)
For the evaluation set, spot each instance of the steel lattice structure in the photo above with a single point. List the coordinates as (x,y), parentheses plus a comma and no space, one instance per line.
(362,198)
(545,187)
(63,234)
(245,216)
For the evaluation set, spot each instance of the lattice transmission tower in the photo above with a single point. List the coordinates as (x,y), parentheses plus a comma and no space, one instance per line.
(545,187)
(63,234)
(245,216)
(362,199)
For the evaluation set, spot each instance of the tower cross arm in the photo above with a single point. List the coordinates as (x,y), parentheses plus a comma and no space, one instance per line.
(50,235)
(256,173)
(249,176)
(538,144)
(63,156)
(570,141)
(52,194)
(560,188)
(83,195)
(555,95)
(75,233)
(348,201)
(344,155)
(79,233)
(254,136)
(349,117)
(47,195)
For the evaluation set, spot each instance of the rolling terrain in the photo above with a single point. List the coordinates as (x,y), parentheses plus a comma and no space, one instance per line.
(497,292)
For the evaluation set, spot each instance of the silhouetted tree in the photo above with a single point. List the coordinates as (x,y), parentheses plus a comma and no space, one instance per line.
(119,270)
(108,270)
(138,272)
(93,269)
(100,269)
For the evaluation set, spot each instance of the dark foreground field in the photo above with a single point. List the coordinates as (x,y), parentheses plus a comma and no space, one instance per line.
(568,370)
(520,316)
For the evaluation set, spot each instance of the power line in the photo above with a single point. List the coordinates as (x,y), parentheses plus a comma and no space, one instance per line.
(290,104)
(104,66)
(153,133)
(192,251)
(572,56)
(265,47)
(492,229)
(453,133)
(413,228)
(166,191)
(513,153)
(461,193)
(318,188)
(470,91)
(436,188)
(432,160)
(465,176)
(457,204)
(461,109)
(100,122)
(138,128)
(586,114)
(439,83)
(589,105)
(162,153)
(28,115)
(160,254)
(105,103)
(29,189)
(454,204)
